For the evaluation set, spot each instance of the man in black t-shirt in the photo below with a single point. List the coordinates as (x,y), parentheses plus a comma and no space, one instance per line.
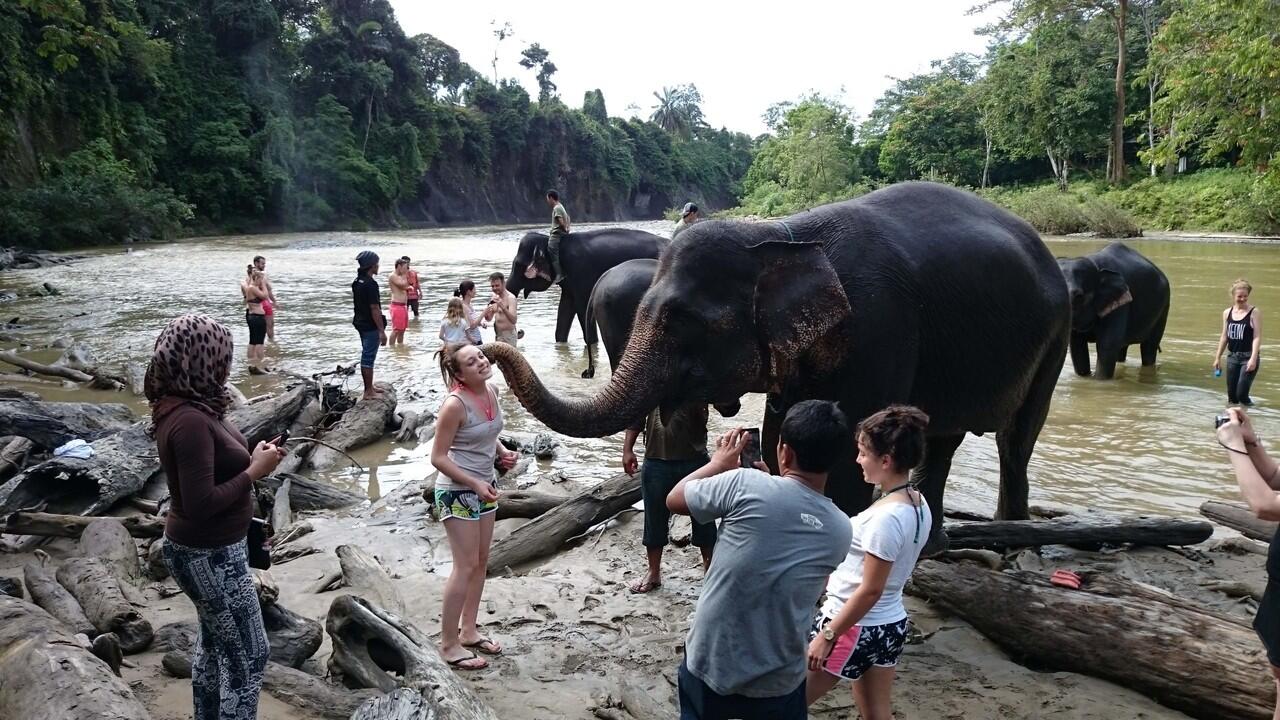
(367,319)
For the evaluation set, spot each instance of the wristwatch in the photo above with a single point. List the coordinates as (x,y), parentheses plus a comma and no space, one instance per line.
(828,634)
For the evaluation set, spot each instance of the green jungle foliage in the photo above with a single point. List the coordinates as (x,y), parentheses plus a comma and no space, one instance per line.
(147,118)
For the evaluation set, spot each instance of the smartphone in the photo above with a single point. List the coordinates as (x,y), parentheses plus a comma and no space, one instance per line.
(751,453)
(281,439)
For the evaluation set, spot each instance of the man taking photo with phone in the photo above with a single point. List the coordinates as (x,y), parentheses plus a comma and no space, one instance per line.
(780,539)
(670,452)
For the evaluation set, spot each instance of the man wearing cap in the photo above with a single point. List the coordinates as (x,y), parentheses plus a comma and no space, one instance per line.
(688,216)
(559,229)
(368,319)
(415,288)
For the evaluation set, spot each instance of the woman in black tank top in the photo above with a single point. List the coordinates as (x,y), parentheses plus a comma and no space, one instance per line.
(1259,479)
(1242,339)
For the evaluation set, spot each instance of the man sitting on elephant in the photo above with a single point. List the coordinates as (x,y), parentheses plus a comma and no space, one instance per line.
(559,228)
(671,451)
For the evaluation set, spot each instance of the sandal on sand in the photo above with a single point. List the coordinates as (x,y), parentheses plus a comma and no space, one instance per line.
(459,663)
(485,645)
(645,586)
(1066,579)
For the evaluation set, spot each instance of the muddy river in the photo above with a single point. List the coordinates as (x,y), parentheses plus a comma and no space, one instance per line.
(1142,442)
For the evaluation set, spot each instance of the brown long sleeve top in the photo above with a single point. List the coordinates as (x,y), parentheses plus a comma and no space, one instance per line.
(205,462)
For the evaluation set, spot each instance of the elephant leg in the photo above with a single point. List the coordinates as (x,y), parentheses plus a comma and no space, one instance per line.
(1080,355)
(564,315)
(1017,442)
(770,429)
(1123,356)
(590,372)
(1111,332)
(931,477)
(1106,361)
(1151,345)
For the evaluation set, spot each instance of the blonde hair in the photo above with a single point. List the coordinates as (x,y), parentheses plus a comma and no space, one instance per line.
(1241,283)
(454,313)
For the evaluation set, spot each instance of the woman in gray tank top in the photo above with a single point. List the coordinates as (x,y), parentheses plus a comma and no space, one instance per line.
(466,446)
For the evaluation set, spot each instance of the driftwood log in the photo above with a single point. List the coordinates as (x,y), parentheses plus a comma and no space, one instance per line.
(402,704)
(281,510)
(93,585)
(526,504)
(1204,663)
(11,587)
(123,463)
(13,456)
(366,576)
(293,638)
(546,534)
(45,591)
(364,423)
(308,423)
(155,567)
(106,539)
(50,424)
(135,375)
(417,426)
(65,373)
(295,687)
(1239,518)
(72,526)
(306,494)
(370,643)
(46,673)
(1079,531)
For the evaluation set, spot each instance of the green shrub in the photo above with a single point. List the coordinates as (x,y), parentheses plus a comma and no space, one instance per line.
(1215,200)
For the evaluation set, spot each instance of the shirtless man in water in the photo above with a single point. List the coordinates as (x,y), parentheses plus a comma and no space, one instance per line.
(502,310)
(399,282)
(268,305)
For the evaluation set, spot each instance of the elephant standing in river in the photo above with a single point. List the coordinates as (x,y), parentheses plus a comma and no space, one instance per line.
(887,298)
(584,257)
(613,304)
(1118,298)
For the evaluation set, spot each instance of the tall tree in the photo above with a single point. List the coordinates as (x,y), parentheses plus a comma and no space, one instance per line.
(1030,14)
(536,57)
(679,110)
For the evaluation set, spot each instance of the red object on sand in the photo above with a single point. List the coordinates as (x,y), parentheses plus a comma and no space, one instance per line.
(1066,579)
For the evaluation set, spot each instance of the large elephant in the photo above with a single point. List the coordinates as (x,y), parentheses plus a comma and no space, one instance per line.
(584,257)
(888,298)
(1118,298)
(612,307)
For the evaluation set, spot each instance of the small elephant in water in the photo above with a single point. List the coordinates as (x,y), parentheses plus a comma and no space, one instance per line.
(1118,298)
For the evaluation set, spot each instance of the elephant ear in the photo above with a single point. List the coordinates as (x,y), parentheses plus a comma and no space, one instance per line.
(799,302)
(1112,293)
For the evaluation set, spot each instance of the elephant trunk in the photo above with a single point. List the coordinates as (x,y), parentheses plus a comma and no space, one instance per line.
(633,391)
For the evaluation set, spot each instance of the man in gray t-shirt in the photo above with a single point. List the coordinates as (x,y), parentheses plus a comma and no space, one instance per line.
(780,538)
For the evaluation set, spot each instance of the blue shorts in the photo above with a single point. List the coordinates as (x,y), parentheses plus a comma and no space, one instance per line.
(368,348)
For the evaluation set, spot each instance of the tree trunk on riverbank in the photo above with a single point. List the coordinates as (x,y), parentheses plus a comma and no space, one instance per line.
(47,674)
(548,533)
(1078,531)
(1239,518)
(1204,663)
(50,424)
(364,423)
(91,582)
(72,526)
(53,598)
(365,576)
(306,494)
(107,540)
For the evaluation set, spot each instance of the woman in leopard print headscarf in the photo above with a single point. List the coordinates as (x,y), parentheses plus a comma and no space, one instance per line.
(210,473)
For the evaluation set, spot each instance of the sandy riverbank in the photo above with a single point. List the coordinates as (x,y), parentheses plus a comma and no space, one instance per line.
(574,635)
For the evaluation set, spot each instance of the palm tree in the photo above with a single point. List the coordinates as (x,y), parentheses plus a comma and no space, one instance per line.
(671,112)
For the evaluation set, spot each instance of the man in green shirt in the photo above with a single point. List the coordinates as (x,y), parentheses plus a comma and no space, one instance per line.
(688,216)
(670,453)
(559,228)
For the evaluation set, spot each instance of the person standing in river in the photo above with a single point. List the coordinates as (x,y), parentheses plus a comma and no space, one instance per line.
(415,288)
(367,317)
(269,305)
(254,291)
(475,320)
(559,229)
(671,452)
(502,310)
(1242,339)
(466,496)
(780,538)
(210,473)
(399,282)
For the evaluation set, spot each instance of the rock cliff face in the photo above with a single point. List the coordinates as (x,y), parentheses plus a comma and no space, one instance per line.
(450,195)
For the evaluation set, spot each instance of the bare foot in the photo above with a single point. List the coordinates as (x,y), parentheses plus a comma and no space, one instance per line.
(646,585)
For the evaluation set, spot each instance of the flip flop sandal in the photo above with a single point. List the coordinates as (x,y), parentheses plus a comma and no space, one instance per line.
(484,645)
(1066,579)
(458,663)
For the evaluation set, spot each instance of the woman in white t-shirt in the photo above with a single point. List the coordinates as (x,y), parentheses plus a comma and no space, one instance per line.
(861,629)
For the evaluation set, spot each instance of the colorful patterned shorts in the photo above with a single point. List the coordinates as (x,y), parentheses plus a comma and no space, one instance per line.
(464,504)
(862,647)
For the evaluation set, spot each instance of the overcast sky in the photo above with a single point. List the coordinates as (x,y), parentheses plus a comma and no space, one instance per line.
(742,56)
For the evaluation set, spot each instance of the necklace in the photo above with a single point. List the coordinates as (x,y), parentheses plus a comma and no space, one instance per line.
(486,406)
(918,508)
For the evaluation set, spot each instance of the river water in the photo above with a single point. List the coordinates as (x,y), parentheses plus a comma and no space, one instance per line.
(1142,442)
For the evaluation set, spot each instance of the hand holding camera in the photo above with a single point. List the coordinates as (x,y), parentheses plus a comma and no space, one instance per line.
(1235,431)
